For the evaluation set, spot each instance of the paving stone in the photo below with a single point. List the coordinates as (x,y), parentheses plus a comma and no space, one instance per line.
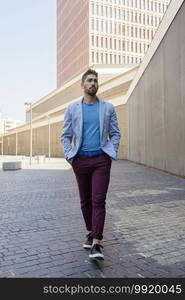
(42,230)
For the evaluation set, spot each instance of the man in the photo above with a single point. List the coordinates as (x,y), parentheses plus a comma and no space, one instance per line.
(91,139)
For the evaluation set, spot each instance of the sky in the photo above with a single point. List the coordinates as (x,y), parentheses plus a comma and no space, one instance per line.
(27,54)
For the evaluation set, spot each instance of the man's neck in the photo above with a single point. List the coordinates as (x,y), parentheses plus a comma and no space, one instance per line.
(89,99)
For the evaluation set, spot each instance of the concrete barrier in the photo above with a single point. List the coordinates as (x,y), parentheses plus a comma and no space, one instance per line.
(40,158)
(12,165)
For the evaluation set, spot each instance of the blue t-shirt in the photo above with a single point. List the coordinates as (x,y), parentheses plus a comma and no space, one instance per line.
(91,128)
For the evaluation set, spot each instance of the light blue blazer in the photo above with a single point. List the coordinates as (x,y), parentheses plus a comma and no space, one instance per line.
(71,137)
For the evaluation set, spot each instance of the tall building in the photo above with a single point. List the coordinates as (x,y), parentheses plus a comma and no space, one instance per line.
(7,124)
(110,32)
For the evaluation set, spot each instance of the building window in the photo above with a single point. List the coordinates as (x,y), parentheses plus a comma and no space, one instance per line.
(114,44)
(123,29)
(148,34)
(140,33)
(132,32)
(92,6)
(97,25)
(115,28)
(144,35)
(110,43)
(156,6)
(106,58)
(110,27)
(144,4)
(135,32)
(102,26)
(102,42)
(110,10)
(119,11)
(132,47)
(119,28)
(102,10)
(97,57)
(123,45)
(152,21)
(106,11)
(115,61)
(140,47)
(148,20)
(132,17)
(106,24)
(102,58)
(156,21)
(92,40)
(97,42)
(115,13)
(97,10)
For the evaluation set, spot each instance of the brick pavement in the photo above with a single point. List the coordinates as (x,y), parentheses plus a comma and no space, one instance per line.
(42,230)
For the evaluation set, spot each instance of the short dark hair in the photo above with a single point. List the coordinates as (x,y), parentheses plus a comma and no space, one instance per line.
(88,72)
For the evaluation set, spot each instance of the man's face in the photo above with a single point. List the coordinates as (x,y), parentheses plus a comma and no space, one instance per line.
(90,85)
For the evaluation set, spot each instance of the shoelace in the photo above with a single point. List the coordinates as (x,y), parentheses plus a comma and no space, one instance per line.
(98,245)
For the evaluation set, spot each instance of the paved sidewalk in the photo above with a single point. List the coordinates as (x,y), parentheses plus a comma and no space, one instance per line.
(42,230)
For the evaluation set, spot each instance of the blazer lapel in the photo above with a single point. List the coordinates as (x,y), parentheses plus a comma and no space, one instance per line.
(80,115)
(101,115)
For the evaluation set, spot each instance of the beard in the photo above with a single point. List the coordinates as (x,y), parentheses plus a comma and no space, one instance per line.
(92,92)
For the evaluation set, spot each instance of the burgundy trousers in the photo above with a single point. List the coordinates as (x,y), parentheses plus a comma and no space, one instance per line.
(93,176)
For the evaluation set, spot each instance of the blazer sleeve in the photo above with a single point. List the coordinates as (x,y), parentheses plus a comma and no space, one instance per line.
(67,132)
(114,132)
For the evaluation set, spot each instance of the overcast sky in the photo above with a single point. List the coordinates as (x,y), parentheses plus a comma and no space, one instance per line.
(27,53)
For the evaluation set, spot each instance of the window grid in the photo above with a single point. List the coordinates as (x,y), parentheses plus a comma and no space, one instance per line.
(123,30)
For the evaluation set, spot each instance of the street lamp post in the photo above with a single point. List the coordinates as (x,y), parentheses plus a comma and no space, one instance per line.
(2,139)
(16,143)
(30,105)
(2,144)
(49,137)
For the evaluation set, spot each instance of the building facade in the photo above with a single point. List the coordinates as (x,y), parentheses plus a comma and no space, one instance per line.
(109,32)
(7,124)
(72,39)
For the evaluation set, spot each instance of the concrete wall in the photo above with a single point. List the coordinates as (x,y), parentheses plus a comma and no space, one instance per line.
(121,115)
(155,111)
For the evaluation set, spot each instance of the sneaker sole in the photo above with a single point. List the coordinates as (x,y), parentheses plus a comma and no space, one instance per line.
(87,246)
(96,257)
